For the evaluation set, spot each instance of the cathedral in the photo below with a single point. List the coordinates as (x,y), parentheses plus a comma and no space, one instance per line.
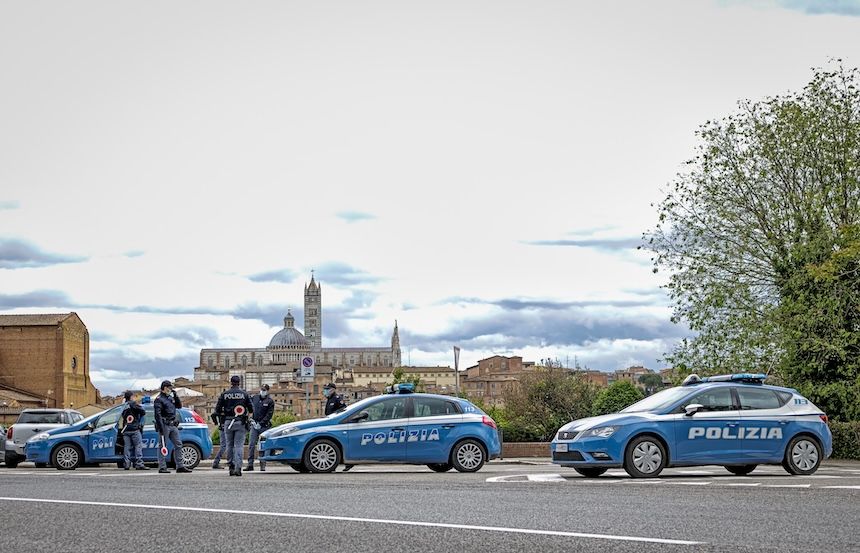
(276,362)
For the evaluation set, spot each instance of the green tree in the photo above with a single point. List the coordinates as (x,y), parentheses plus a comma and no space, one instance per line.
(400,377)
(544,400)
(616,396)
(760,240)
(652,382)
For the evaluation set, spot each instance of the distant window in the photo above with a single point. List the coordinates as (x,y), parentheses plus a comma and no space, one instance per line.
(244,360)
(74,364)
(210,361)
(260,361)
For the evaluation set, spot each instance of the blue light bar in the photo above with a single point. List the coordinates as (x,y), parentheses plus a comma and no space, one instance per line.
(146,399)
(740,377)
(401,388)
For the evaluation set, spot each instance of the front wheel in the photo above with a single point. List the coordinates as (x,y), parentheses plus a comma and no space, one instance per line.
(440,467)
(322,456)
(741,470)
(190,455)
(645,457)
(299,467)
(67,457)
(590,472)
(802,456)
(468,456)
(12,460)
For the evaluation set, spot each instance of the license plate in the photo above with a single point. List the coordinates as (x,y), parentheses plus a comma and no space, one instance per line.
(561,448)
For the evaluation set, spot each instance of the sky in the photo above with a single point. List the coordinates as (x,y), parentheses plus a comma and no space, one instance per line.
(479,171)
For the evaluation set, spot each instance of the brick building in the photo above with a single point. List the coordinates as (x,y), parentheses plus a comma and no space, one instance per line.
(47,356)
(488,380)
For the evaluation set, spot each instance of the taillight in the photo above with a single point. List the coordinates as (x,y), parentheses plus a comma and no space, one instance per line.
(822,417)
(488,421)
(197,418)
(9,433)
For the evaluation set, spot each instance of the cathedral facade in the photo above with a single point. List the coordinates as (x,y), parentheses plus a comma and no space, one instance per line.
(277,361)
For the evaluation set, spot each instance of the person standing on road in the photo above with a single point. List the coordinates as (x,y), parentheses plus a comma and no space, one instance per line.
(167,426)
(132,433)
(264,409)
(333,404)
(222,439)
(234,407)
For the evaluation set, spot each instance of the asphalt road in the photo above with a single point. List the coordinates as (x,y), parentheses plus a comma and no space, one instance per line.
(505,507)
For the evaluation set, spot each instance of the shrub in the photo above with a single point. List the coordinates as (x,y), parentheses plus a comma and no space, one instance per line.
(846,440)
(616,397)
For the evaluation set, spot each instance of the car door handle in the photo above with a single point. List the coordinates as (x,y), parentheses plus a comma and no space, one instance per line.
(398,429)
(783,422)
(447,426)
(731,424)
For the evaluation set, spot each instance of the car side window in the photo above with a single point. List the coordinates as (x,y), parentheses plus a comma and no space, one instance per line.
(718,399)
(433,407)
(394,408)
(108,419)
(753,398)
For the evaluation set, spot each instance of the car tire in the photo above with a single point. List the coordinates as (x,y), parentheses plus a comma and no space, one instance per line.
(802,456)
(645,457)
(590,472)
(67,457)
(440,467)
(321,456)
(468,456)
(190,455)
(741,470)
(12,460)
(299,467)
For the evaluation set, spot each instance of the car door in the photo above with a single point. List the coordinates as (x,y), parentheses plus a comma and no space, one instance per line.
(433,426)
(711,434)
(149,443)
(766,423)
(102,439)
(381,436)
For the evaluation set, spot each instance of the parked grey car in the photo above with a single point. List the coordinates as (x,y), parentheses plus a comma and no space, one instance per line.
(31,422)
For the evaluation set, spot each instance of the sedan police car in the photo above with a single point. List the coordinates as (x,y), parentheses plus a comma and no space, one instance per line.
(730,420)
(94,440)
(441,432)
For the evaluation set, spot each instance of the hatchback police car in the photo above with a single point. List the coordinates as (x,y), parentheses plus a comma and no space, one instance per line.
(441,432)
(94,440)
(731,420)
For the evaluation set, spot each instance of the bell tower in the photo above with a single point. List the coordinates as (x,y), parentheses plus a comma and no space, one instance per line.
(313,313)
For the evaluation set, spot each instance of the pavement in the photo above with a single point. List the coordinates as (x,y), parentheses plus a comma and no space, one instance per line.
(510,505)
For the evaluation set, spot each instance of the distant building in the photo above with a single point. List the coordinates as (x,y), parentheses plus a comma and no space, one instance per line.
(47,356)
(598,378)
(630,374)
(488,380)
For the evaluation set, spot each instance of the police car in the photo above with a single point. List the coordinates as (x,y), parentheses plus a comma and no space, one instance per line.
(441,432)
(94,440)
(732,420)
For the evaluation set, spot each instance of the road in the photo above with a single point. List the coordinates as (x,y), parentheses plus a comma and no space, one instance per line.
(505,507)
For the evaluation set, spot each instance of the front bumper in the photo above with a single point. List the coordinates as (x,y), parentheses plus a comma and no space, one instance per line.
(38,452)
(285,450)
(593,452)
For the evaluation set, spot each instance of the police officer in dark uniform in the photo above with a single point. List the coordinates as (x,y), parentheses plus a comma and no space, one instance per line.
(234,408)
(167,425)
(132,433)
(219,422)
(333,404)
(264,408)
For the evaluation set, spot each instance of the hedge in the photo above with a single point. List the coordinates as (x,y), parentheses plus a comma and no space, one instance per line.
(846,440)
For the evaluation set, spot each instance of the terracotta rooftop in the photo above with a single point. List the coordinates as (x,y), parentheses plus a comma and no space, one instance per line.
(34,320)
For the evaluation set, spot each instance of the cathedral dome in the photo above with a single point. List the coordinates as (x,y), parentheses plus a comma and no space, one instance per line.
(289,336)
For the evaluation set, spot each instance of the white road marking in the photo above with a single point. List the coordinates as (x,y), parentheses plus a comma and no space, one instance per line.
(690,483)
(787,485)
(546,478)
(842,487)
(509,478)
(749,485)
(697,472)
(306,516)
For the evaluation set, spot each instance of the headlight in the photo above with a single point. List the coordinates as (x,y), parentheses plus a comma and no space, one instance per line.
(39,437)
(600,432)
(281,432)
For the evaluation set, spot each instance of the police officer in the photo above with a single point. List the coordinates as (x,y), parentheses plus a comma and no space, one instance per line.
(234,407)
(219,422)
(132,433)
(333,404)
(264,408)
(167,425)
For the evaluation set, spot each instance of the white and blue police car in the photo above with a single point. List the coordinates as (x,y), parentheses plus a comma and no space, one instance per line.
(732,420)
(441,432)
(94,440)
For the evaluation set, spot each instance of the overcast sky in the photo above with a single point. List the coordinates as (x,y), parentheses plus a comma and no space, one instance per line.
(479,171)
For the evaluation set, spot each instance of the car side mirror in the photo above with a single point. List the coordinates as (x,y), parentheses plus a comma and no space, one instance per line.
(90,426)
(692,409)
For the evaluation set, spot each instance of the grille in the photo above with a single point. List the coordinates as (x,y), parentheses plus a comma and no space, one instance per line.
(567,435)
(567,456)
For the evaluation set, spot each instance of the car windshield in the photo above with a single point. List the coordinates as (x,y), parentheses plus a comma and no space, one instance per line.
(40,418)
(658,401)
(355,407)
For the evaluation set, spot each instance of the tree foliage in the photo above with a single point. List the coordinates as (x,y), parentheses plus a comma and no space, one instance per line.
(761,240)
(400,377)
(652,382)
(617,396)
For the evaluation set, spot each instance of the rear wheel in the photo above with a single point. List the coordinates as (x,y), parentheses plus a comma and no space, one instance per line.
(590,472)
(67,457)
(645,457)
(741,470)
(468,456)
(322,456)
(299,467)
(440,467)
(802,456)
(12,460)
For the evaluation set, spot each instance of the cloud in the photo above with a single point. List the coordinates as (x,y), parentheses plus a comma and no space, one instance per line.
(355,216)
(114,371)
(629,243)
(17,254)
(134,253)
(37,298)
(9,204)
(279,275)
(521,304)
(819,7)
(338,273)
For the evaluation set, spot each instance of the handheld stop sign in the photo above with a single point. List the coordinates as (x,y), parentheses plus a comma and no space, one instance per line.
(239,410)
(129,419)
(163,448)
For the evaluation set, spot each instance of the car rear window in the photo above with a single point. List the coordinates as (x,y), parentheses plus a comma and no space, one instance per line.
(754,398)
(41,418)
